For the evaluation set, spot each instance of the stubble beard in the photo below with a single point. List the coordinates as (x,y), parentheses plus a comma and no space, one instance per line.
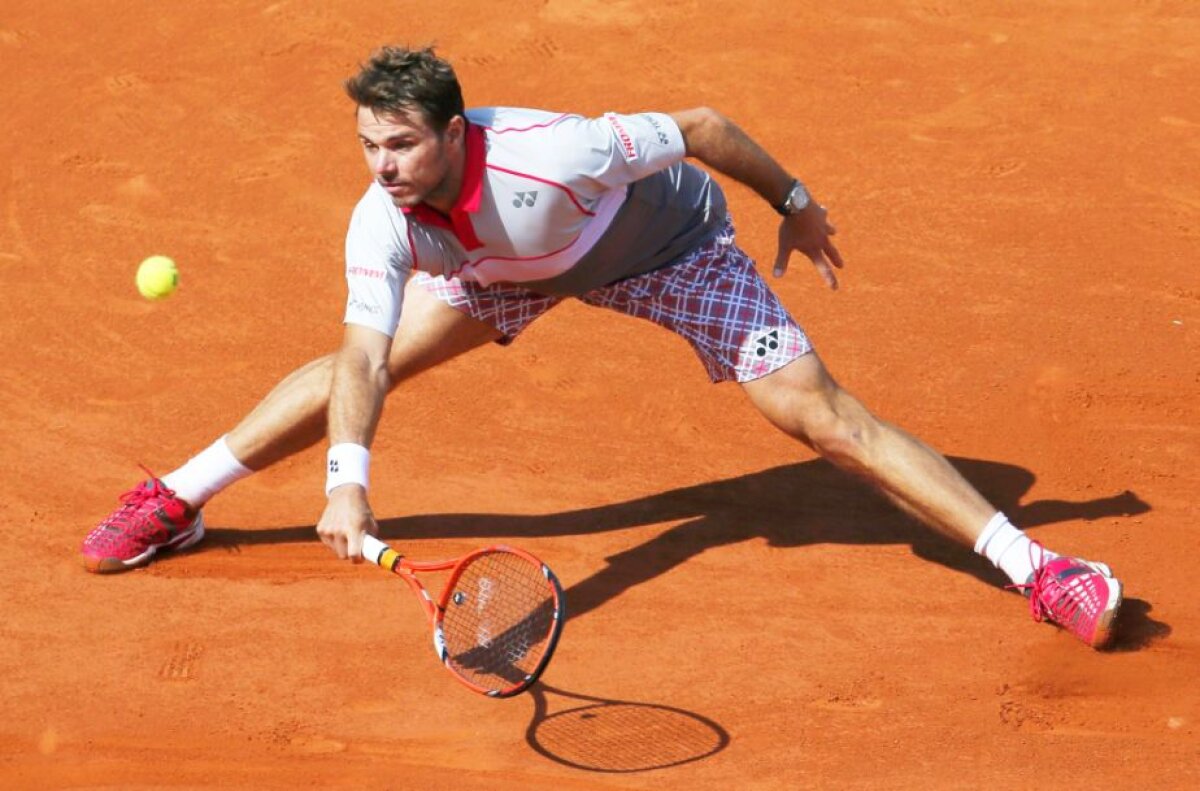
(438,190)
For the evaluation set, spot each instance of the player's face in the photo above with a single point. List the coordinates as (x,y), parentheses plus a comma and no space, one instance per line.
(409,158)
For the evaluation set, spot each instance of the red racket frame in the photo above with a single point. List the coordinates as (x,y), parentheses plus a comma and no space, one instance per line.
(389,559)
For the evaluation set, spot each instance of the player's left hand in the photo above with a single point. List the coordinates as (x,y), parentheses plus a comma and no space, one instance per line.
(808,231)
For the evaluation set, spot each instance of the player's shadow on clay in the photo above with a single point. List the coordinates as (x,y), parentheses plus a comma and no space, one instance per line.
(790,506)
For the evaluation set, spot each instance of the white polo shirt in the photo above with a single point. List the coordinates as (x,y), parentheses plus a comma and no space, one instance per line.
(558,203)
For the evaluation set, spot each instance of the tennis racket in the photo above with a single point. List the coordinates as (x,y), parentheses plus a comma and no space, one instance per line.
(497,620)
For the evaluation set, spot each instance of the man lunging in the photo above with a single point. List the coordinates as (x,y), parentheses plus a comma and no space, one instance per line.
(477,222)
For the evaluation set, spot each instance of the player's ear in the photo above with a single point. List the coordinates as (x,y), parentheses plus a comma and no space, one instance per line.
(456,130)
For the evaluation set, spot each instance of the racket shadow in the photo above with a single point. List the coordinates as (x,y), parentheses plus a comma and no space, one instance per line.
(597,734)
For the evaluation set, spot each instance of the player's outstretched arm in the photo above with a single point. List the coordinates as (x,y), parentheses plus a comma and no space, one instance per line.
(360,383)
(719,143)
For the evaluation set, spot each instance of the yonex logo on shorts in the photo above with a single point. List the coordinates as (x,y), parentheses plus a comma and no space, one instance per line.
(713,296)
(768,342)
(525,199)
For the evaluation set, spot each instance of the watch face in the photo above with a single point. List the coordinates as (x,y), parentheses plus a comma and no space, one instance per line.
(797,199)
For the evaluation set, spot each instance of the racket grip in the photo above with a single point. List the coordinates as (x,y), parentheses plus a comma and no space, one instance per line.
(379,553)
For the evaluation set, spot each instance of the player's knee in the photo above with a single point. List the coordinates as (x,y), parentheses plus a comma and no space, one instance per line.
(805,402)
(836,426)
(844,439)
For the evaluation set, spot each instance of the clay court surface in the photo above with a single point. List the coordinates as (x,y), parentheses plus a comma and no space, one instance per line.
(1017,192)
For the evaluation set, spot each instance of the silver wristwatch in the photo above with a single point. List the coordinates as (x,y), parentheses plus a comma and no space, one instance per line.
(796,201)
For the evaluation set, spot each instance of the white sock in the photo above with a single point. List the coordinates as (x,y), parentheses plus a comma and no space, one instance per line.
(206,474)
(1010,550)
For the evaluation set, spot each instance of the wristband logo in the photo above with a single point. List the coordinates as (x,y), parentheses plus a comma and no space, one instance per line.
(333,465)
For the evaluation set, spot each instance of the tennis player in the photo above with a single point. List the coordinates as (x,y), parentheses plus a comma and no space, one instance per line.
(477,222)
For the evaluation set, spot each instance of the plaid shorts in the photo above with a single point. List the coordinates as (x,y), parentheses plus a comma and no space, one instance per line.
(713,297)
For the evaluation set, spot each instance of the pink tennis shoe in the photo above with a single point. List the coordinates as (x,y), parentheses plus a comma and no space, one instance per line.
(1079,595)
(150,518)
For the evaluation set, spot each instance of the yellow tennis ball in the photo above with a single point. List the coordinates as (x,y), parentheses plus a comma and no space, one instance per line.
(157,277)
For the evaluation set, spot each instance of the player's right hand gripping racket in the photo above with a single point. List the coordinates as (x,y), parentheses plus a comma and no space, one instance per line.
(497,620)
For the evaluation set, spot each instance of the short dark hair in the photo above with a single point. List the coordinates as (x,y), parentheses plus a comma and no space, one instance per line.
(399,80)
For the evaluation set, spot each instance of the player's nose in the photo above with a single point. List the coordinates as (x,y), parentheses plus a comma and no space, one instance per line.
(383,165)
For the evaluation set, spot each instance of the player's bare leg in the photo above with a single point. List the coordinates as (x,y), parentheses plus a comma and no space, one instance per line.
(165,513)
(292,416)
(803,400)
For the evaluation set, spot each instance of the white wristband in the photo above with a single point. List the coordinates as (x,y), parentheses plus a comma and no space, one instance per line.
(346,463)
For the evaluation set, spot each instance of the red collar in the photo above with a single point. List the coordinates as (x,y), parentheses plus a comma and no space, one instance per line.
(470,195)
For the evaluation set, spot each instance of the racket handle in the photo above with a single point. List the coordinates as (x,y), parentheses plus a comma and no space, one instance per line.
(379,553)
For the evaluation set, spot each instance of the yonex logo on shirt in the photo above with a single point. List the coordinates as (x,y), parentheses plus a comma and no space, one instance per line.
(545,195)
(663,140)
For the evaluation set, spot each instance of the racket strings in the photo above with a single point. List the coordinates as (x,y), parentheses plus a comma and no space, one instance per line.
(498,619)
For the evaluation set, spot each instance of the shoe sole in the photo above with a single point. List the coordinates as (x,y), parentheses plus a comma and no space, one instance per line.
(180,541)
(1104,627)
